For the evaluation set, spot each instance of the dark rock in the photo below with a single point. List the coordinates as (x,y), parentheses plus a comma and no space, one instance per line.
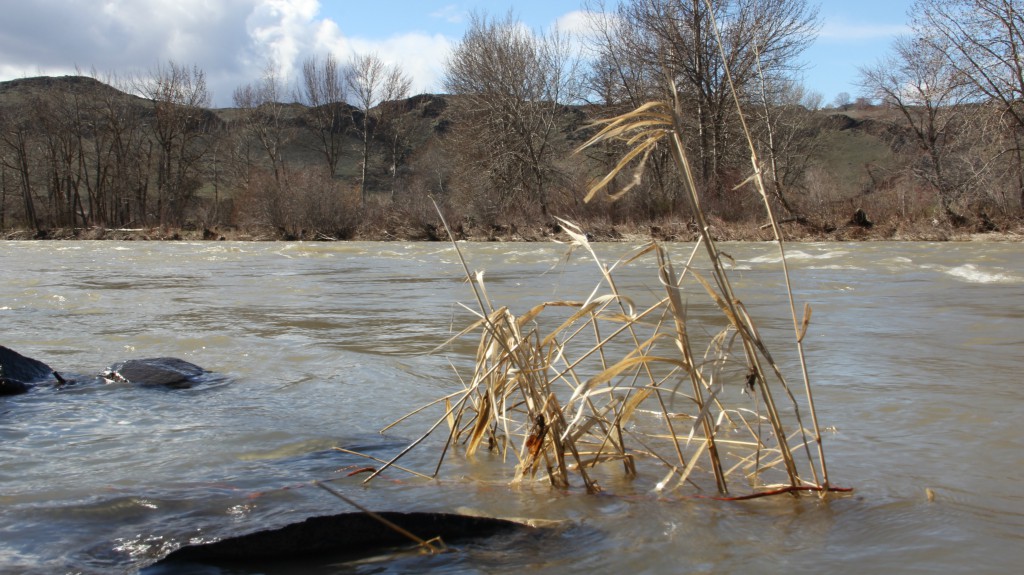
(12,386)
(985,223)
(344,534)
(158,371)
(18,373)
(16,366)
(860,218)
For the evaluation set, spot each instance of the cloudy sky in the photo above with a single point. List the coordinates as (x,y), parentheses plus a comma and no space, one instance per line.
(232,40)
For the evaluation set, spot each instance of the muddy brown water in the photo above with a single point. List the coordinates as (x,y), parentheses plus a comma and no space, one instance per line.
(915,352)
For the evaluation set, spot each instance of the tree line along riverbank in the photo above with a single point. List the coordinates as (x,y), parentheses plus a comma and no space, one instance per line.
(343,151)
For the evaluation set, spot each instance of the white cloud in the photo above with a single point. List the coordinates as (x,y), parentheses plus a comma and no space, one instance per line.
(125,37)
(279,30)
(231,40)
(421,56)
(450,13)
(577,22)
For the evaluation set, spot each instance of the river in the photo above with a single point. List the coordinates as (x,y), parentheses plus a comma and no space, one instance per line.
(915,352)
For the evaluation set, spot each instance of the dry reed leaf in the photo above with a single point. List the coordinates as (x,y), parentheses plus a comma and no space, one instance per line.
(448,411)
(806,321)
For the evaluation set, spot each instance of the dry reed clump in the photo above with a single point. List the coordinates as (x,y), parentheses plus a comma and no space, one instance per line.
(615,382)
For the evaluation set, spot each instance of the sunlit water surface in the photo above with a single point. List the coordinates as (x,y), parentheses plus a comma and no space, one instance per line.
(915,352)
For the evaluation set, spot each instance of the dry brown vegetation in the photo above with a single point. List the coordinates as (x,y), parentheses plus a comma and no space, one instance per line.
(571,391)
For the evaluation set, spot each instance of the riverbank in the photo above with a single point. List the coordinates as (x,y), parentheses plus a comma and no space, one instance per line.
(665,231)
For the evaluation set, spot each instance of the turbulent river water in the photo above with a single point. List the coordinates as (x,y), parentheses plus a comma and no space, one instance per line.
(915,352)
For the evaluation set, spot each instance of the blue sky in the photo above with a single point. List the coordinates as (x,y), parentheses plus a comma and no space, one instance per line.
(232,40)
(853,33)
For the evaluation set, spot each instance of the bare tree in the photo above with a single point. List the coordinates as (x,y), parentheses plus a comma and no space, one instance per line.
(57,119)
(373,82)
(781,133)
(322,90)
(984,41)
(125,149)
(932,95)
(266,128)
(511,86)
(619,81)
(393,126)
(180,98)
(678,36)
(15,138)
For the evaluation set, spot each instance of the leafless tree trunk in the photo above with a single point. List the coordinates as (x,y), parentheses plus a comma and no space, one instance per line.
(124,156)
(323,92)
(263,117)
(984,41)
(14,136)
(265,125)
(180,98)
(781,133)
(64,122)
(372,83)
(919,81)
(511,86)
(619,82)
(677,37)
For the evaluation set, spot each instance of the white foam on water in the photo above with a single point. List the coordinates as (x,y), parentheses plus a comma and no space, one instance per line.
(970,273)
(836,267)
(797,255)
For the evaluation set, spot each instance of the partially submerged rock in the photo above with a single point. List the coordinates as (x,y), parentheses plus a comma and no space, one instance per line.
(19,373)
(13,386)
(158,371)
(344,534)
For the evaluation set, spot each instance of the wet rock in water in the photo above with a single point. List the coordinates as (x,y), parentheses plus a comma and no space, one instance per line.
(18,373)
(158,371)
(344,534)
(13,386)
